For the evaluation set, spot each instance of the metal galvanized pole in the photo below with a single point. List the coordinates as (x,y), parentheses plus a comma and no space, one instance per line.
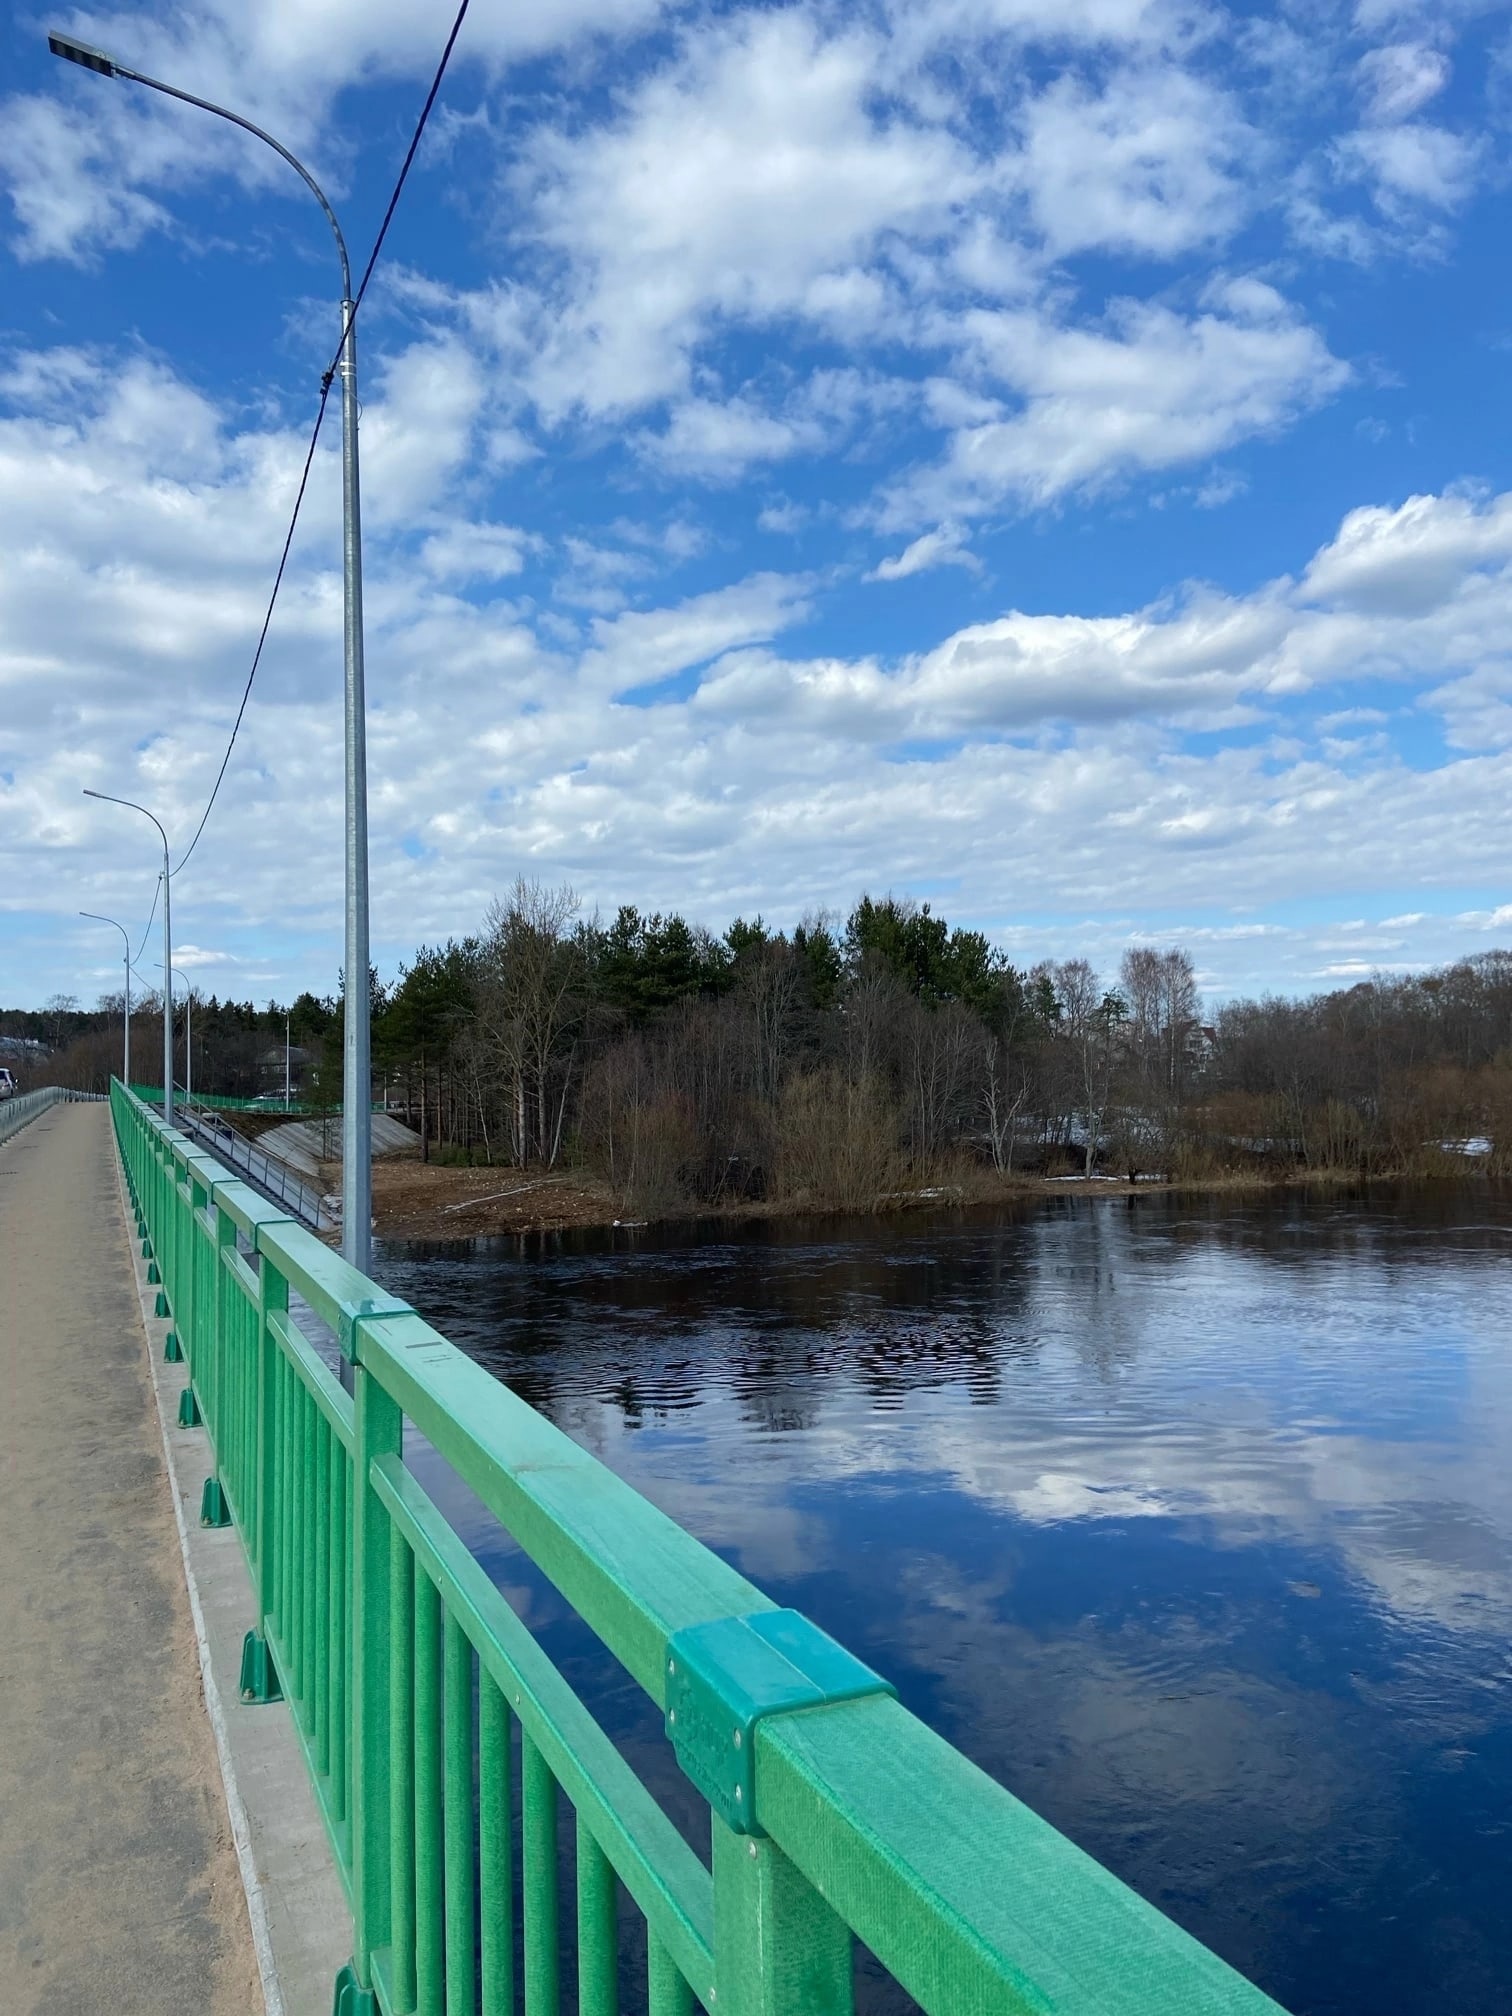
(108,798)
(95,917)
(188,1037)
(188,1041)
(167,991)
(356,1075)
(356,1175)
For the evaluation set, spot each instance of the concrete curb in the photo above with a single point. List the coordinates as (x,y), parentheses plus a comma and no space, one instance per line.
(296,1911)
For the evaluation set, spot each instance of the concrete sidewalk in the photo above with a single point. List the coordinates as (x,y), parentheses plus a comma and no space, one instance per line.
(120,1893)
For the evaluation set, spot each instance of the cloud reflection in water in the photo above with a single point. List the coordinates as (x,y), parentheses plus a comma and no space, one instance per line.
(1192,1524)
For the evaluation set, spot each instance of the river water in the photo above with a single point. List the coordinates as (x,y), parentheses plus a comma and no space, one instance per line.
(1190,1522)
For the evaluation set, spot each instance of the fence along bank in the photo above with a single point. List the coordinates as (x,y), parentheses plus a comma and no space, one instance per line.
(430,1718)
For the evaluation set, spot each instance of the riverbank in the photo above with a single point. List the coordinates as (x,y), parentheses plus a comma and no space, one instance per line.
(428,1200)
(436,1201)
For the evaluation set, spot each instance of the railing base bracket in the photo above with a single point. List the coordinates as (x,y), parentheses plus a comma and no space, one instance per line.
(162,1305)
(172,1350)
(214,1511)
(153,1276)
(351,1998)
(189,1413)
(259,1682)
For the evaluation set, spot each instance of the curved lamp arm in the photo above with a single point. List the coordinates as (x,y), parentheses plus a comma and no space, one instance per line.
(87,58)
(131,805)
(96,918)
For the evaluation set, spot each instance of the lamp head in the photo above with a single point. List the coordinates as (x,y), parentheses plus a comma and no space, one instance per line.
(81,53)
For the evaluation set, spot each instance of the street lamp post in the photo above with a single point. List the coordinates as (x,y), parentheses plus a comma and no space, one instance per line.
(356,1130)
(132,806)
(188,1038)
(96,918)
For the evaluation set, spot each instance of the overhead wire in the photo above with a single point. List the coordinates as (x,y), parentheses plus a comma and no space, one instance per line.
(148,925)
(393,202)
(262,636)
(326,382)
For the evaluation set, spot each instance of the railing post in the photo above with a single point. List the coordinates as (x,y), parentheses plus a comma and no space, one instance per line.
(779,1950)
(377,1431)
(222,1237)
(259,1675)
(779,1947)
(205,1322)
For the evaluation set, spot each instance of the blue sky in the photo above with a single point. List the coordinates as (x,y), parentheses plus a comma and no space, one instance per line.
(1044,459)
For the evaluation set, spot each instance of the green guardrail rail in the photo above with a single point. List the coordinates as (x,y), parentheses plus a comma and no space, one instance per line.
(226,1102)
(418,1695)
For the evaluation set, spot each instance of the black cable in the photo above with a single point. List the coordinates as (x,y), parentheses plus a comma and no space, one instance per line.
(283,561)
(148,926)
(425,112)
(325,393)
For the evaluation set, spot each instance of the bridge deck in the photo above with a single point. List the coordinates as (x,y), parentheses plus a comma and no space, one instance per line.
(119,1889)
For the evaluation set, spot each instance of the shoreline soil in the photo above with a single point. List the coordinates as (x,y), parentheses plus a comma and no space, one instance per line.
(440,1202)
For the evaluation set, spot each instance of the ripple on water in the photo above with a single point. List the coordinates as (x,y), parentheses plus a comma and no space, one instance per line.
(1193,1524)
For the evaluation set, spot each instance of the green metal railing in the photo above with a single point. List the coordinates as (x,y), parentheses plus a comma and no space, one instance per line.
(430,1717)
(226,1102)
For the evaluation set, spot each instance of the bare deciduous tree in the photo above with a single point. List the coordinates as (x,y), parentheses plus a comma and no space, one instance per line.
(529,1009)
(1091,1020)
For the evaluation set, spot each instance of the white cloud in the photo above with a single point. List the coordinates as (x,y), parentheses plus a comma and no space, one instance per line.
(1411,165)
(1416,595)
(56,167)
(80,165)
(418,432)
(678,755)
(332,37)
(1221,488)
(476,552)
(640,649)
(1148,389)
(785,516)
(1148,163)
(924,27)
(720,440)
(980,255)
(1400,78)
(745,181)
(778,177)
(944,547)
(1411,559)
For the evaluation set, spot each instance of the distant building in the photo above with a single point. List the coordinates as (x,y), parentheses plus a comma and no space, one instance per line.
(270,1069)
